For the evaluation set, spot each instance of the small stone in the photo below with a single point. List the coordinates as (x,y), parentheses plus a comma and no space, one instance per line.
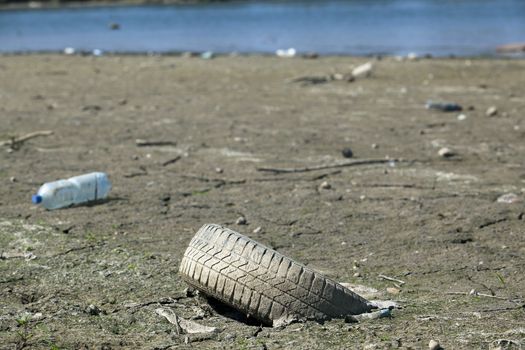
(357,274)
(93,310)
(392,290)
(347,152)
(219,170)
(508,198)
(491,111)
(241,220)
(446,152)
(12,179)
(434,345)
(258,230)
(462,117)
(375,146)
(325,185)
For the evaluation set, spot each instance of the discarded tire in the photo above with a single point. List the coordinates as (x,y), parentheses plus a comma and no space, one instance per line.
(261,282)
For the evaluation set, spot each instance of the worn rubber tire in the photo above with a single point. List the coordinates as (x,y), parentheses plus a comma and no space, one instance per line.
(261,282)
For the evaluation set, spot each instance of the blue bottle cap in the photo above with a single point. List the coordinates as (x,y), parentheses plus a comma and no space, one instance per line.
(36,198)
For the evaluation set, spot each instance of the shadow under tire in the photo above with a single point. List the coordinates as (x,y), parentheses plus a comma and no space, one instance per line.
(261,282)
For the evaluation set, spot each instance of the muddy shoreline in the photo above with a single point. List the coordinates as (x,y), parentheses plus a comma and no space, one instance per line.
(92,276)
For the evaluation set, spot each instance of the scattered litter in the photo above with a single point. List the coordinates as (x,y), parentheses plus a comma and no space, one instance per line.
(146,143)
(69,51)
(16,142)
(207,55)
(491,111)
(347,152)
(288,53)
(184,326)
(363,70)
(241,220)
(434,345)
(75,190)
(462,117)
(508,198)
(443,106)
(446,152)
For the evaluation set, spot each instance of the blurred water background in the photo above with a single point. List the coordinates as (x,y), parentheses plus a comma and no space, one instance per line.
(352,27)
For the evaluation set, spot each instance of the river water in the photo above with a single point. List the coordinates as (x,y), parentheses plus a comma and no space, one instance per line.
(352,27)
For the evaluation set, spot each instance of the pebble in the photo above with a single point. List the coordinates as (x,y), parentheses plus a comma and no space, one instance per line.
(258,230)
(93,310)
(12,179)
(219,170)
(357,274)
(508,198)
(462,117)
(434,345)
(325,185)
(241,220)
(375,146)
(446,152)
(347,152)
(492,111)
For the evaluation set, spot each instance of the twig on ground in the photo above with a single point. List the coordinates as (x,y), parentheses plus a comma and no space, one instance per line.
(15,142)
(171,161)
(327,166)
(484,295)
(146,143)
(391,279)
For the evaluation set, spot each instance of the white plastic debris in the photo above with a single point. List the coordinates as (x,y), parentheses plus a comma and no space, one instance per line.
(508,198)
(69,51)
(362,70)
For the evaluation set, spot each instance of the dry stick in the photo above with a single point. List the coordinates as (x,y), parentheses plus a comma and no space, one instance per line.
(483,295)
(26,137)
(327,166)
(171,161)
(391,279)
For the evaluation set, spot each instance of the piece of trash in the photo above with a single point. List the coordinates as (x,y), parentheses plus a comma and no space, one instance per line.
(347,152)
(69,51)
(288,53)
(370,315)
(462,117)
(258,230)
(75,190)
(183,325)
(285,280)
(508,198)
(443,106)
(491,111)
(207,55)
(434,345)
(446,152)
(362,70)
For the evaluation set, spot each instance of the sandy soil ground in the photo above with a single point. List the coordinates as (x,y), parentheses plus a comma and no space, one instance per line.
(434,223)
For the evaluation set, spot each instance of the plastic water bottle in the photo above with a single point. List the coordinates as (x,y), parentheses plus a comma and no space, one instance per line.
(75,190)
